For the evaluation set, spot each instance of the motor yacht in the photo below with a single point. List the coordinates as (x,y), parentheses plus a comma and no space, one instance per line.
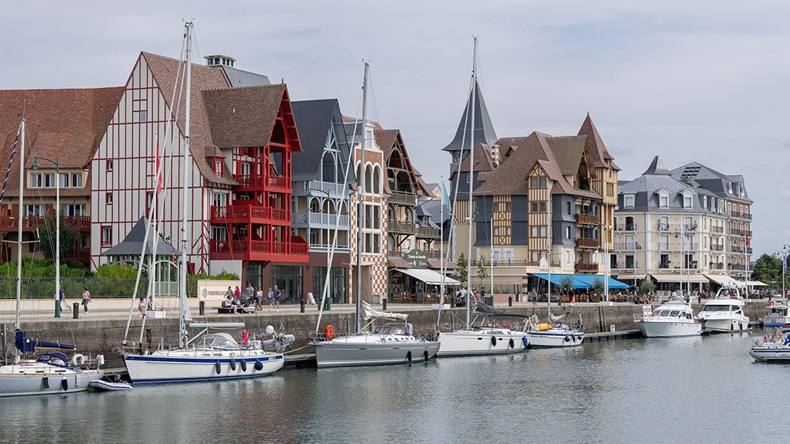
(724,312)
(673,318)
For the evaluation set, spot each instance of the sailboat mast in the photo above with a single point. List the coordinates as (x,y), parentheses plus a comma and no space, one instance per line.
(22,130)
(548,249)
(182,291)
(471,178)
(361,203)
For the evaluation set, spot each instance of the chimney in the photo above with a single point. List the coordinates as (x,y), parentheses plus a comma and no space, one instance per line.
(493,150)
(220,60)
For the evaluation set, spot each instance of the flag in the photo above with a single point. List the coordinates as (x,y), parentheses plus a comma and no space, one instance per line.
(746,236)
(8,171)
(446,199)
(784,264)
(158,173)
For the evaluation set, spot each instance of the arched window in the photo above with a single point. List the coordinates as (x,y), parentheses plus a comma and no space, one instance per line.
(663,223)
(315,205)
(368,179)
(329,168)
(377,180)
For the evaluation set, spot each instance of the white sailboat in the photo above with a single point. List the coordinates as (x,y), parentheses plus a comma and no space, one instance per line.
(51,372)
(392,343)
(203,357)
(481,340)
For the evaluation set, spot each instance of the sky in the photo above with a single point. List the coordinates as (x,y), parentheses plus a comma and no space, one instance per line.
(698,81)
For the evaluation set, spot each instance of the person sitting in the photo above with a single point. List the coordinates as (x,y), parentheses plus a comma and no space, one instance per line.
(228,302)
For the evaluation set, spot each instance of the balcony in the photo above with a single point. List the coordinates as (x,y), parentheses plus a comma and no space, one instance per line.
(510,262)
(256,250)
(403,198)
(235,214)
(317,187)
(394,226)
(30,223)
(663,265)
(747,216)
(717,247)
(689,227)
(319,220)
(717,230)
(736,250)
(427,232)
(663,227)
(257,182)
(625,227)
(586,219)
(736,267)
(625,246)
(586,267)
(716,265)
(82,255)
(586,243)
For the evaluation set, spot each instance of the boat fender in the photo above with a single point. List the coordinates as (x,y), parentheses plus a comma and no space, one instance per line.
(65,384)
(512,343)
(329,332)
(218,367)
(525,341)
(408,356)
(771,304)
(232,363)
(45,382)
(741,325)
(493,341)
(425,355)
(258,365)
(567,339)
(78,359)
(244,366)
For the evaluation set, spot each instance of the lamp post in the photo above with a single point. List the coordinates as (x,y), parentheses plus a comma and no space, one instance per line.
(36,166)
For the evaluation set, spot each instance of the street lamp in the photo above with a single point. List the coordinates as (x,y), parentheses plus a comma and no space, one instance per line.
(36,166)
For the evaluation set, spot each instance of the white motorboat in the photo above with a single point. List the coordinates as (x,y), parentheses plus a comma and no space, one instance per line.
(778,313)
(392,343)
(724,312)
(674,318)
(204,356)
(49,373)
(774,347)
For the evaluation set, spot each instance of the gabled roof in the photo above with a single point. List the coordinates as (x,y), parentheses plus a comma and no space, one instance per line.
(237,77)
(314,119)
(386,140)
(242,117)
(483,160)
(132,244)
(66,125)
(483,128)
(567,151)
(596,150)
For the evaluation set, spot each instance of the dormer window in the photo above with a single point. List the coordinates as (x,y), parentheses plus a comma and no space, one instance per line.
(688,199)
(219,167)
(628,200)
(663,199)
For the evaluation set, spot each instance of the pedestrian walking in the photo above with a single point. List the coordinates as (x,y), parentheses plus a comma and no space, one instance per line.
(276,298)
(86,298)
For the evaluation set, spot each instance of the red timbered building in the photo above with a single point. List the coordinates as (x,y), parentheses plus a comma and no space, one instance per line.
(239,191)
(64,126)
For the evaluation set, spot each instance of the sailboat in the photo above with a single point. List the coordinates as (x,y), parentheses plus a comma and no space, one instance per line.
(50,372)
(392,343)
(205,356)
(480,340)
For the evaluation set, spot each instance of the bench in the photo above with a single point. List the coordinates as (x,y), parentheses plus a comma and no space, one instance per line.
(225,310)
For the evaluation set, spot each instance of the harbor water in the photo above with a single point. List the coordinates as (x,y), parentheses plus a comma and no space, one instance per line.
(704,389)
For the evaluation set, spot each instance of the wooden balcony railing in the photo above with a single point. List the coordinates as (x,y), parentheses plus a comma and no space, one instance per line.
(403,198)
(586,243)
(249,212)
(29,223)
(586,267)
(586,219)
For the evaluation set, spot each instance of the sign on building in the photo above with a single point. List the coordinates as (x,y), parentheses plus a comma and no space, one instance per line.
(416,258)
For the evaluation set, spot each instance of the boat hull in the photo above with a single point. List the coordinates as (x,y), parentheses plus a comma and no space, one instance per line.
(22,380)
(770,353)
(363,350)
(473,343)
(191,366)
(554,339)
(725,325)
(668,329)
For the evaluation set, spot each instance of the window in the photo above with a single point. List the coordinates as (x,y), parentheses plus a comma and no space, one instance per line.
(630,243)
(507,206)
(533,182)
(218,167)
(628,201)
(567,232)
(63,178)
(508,231)
(109,165)
(542,231)
(34,210)
(663,199)
(496,231)
(568,208)
(543,207)
(220,199)
(688,201)
(567,256)
(72,210)
(36,180)
(106,236)
(143,116)
(108,199)
(663,223)
(543,182)
(534,232)
(629,261)
(534,206)
(219,232)
(76,180)
(663,242)
(534,256)
(664,261)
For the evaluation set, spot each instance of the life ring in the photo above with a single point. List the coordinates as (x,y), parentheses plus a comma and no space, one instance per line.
(493,341)
(329,332)
(512,343)
(771,304)
(78,359)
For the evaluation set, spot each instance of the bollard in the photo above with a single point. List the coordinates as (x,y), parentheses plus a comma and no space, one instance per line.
(57,308)
(76,310)
(301,305)
(202,308)
(384,303)
(517,297)
(510,301)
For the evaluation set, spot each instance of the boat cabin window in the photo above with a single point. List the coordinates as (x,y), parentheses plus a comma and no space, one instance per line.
(674,313)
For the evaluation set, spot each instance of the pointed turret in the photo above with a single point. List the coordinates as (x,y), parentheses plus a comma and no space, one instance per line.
(483,129)
(657,168)
(596,150)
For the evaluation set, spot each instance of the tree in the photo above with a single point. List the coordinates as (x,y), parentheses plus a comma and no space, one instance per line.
(768,269)
(47,240)
(481,270)
(566,284)
(463,272)
(597,286)
(646,287)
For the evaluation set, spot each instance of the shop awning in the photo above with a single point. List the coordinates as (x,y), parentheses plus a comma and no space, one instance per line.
(580,280)
(430,277)
(723,280)
(630,277)
(693,278)
(756,284)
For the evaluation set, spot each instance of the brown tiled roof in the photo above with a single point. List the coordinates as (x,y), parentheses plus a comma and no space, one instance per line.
(165,72)
(66,125)
(243,117)
(386,140)
(483,160)
(596,150)
(567,151)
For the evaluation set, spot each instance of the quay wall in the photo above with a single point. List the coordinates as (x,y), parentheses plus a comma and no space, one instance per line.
(103,336)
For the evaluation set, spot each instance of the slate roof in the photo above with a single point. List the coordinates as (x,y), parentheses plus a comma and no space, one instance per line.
(433,209)
(483,128)
(66,125)
(646,189)
(713,180)
(237,77)
(314,119)
(133,243)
